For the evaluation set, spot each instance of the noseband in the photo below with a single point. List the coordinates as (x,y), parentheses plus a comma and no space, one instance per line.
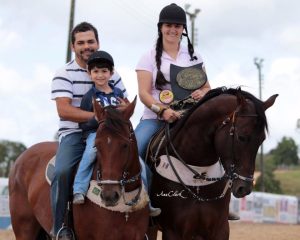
(124,179)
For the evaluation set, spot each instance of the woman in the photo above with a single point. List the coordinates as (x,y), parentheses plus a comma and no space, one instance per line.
(155,69)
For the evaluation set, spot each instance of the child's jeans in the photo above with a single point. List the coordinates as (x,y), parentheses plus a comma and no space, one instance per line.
(85,169)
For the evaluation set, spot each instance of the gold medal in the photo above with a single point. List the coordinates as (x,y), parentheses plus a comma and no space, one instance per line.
(166,96)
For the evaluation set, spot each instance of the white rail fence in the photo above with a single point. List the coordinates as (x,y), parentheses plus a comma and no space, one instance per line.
(267,207)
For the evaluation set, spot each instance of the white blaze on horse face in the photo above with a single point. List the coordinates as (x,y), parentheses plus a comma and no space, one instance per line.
(108,140)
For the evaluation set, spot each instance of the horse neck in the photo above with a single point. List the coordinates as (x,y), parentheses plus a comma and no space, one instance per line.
(195,140)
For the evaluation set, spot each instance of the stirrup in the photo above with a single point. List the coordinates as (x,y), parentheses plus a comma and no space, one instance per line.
(65,233)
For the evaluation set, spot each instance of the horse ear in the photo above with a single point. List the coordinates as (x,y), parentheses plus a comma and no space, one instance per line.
(127,113)
(98,110)
(270,101)
(240,97)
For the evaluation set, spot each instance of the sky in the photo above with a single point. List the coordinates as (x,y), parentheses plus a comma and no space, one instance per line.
(228,34)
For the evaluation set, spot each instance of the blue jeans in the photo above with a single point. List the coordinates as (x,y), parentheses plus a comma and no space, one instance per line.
(85,169)
(143,133)
(68,155)
(144,174)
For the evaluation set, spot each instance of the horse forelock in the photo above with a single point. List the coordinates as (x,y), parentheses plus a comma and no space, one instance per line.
(114,118)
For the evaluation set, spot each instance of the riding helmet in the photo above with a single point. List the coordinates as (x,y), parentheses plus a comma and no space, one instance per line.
(100,56)
(172,14)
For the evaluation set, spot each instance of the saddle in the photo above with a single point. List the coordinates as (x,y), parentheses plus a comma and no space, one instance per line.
(153,146)
(49,173)
(182,106)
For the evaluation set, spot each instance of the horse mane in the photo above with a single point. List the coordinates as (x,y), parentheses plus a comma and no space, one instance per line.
(238,92)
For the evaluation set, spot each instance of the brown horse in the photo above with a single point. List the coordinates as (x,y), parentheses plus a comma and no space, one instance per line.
(224,132)
(117,174)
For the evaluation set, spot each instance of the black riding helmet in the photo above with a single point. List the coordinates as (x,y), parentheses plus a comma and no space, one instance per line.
(172,14)
(101,56)
(100,59)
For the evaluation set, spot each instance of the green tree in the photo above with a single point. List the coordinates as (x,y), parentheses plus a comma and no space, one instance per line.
(286,152)
(9,151)
(271,184)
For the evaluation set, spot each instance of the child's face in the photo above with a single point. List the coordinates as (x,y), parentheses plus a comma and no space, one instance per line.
(100,76)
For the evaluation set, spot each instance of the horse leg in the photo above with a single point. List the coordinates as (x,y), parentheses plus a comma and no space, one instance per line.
(170,235)
(173,236)
(152,232)
(24,224)
(222,233)
(29,193)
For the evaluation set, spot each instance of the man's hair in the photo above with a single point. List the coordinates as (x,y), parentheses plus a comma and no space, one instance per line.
(101,64)
(84,27)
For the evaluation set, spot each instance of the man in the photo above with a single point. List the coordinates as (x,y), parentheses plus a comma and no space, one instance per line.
(69,84)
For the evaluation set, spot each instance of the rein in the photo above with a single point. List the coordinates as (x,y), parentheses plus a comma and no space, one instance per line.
(230,175)
(124,180)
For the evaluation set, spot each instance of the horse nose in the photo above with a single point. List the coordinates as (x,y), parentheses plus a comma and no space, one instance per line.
(242,191)
(110,198)
(241,188)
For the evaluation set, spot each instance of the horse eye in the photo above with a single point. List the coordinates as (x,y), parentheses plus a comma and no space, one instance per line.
(124,145)
(243,138)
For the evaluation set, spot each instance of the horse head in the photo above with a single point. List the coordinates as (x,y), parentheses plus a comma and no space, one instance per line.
(117,155)
(238,138)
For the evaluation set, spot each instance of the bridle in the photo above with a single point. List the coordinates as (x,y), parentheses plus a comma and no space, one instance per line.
(230,174)
(124,180)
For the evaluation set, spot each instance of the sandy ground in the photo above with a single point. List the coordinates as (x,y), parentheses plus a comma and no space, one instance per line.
(252,231)
(239,231)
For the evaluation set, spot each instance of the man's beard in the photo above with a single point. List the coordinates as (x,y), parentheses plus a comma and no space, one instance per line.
(82,54)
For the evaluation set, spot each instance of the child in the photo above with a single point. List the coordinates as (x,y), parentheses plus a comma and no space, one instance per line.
(100,68)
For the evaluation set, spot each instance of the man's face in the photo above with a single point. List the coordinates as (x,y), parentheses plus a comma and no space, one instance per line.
(85,44)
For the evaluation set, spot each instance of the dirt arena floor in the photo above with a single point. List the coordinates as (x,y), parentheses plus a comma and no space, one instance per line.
(239,231)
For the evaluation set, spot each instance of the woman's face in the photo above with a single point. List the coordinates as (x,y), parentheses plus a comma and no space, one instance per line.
(171,32)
